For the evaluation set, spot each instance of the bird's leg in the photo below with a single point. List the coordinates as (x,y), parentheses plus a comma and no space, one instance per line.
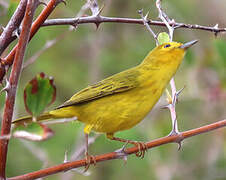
(142,147)
(89,158)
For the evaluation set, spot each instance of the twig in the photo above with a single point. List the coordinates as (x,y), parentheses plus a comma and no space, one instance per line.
(114,155)
(37,152)
(41,21)
(14,23)
(104,19)
(81,150)
(35,27)
(165,19)
(13,82)
(145,20)
(172,99)
(47,45)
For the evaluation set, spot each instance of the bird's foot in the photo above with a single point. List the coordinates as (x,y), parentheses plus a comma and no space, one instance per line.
(90,159)
(142,148)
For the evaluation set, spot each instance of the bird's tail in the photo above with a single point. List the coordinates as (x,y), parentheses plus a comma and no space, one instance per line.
(28,119)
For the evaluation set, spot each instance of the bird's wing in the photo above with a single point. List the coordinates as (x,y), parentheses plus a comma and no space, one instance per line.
(117,83)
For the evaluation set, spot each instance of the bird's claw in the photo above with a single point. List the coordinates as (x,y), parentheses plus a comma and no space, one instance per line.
(142,148)
(89,159)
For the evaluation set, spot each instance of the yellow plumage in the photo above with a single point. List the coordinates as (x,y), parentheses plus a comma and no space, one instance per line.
(124,99)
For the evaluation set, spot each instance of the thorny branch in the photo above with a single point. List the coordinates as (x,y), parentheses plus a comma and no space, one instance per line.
(7,35)
(165,19)
(104,19)
(96,19)
(114,155)
(8,61)
(13,82)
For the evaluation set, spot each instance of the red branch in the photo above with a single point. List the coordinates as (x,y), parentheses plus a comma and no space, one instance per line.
(13,81)
(114,155)
(14,23)
(35,27)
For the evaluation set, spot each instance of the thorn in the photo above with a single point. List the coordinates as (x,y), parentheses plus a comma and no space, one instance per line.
(2,27)
(122,154)
(16,33)
(97,25)
(176,96)
(101,10)
(140,12)
(179,139)
(146,16)
(179,145)
(65,156)
(216,27)
(165,106)
(7,86)
(178,26)
(74,25)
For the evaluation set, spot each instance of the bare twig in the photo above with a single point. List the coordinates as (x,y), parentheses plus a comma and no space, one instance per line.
(114,155)
(81,150)
(13,82)
(47,45)
(165,19)
(145,20)
(37,152)
(14,23)
(35,27)
(104,19)
(97,20)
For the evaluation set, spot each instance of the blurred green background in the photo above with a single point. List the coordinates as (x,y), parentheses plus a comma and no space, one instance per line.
(87,54)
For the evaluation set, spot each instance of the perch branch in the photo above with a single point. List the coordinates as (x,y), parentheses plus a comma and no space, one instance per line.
(13,82)
(114,155)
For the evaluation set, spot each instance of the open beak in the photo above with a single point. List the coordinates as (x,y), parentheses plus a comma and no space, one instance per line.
(188,44)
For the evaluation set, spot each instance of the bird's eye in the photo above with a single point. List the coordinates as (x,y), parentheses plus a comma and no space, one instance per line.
(166,46)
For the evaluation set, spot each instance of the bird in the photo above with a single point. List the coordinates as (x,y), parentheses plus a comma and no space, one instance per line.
(121,101)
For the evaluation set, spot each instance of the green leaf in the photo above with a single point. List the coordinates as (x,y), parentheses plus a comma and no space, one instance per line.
(39,93)
(34,132)
(163,37)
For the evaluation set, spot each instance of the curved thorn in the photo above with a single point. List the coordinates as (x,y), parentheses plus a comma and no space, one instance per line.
(101,10)
(179,145)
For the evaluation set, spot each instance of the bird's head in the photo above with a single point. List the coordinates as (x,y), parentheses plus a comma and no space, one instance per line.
(168,53)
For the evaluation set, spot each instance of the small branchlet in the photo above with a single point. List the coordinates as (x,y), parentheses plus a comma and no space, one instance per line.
(145,20)
(167,21)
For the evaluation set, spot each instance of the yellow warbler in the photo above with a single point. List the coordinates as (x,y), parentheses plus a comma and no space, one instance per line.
(121,101)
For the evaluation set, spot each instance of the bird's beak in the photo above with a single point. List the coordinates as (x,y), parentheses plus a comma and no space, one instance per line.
(188,44)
